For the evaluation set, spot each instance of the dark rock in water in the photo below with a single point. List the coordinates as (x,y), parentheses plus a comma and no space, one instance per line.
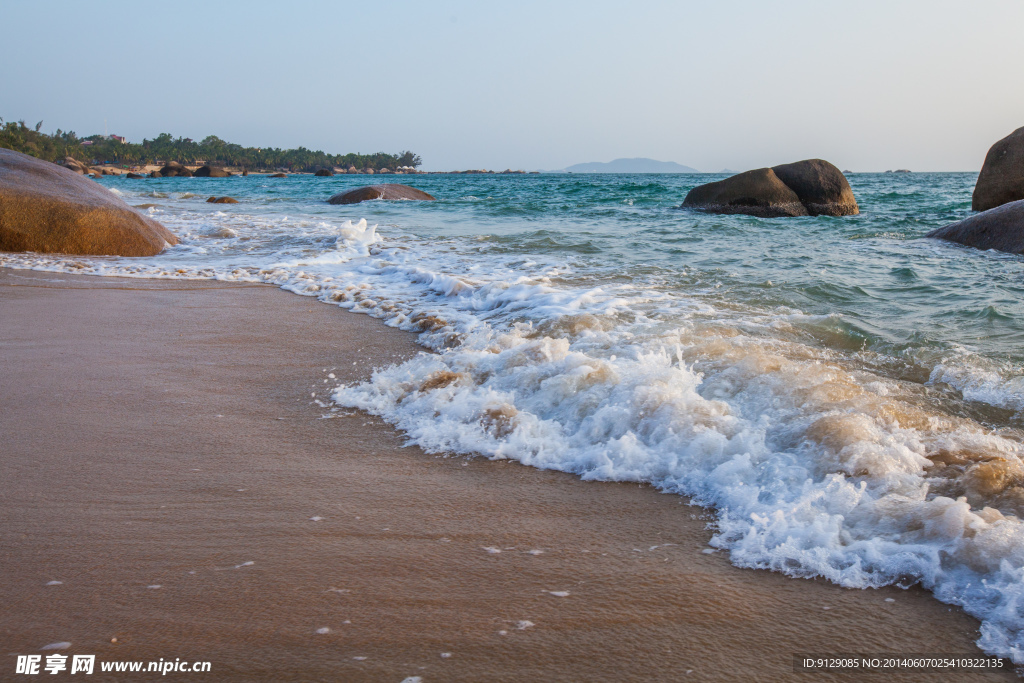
(324,172)
(49,209)
(245,172)
(211,172)
(902,170)
(1002,176)
(221,200)
(278,175)
(389,191)
(821,187)
(174,169)
(756,193)
(1001,228)
(134,175)
(155,174)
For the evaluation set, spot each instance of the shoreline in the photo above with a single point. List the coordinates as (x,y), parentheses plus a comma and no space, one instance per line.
(181,436)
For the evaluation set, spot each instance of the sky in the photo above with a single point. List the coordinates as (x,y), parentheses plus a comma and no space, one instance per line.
(870,86)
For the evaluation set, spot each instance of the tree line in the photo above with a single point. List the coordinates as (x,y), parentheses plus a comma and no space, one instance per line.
(164,148)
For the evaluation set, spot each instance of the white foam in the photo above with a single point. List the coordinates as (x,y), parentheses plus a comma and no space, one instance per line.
(817,465)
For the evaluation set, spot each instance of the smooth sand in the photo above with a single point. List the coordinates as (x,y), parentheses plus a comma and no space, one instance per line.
(163,433)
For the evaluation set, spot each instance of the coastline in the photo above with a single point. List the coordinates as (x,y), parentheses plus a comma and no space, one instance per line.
(180,436)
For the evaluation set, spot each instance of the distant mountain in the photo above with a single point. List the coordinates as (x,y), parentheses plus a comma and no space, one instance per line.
(631,166)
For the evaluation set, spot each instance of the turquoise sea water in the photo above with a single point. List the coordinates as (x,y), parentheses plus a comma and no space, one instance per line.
(848,395)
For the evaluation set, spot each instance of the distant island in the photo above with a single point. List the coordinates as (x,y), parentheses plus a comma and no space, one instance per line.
(114,149)
(638,165)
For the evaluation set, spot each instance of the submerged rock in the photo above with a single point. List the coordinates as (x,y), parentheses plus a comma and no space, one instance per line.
(1002,176)
(134,176)
(1001,228)
(812,187)
(174,169)
(756,193)
(278,175)
(221,200)
(821,187)
(324,172)
(389,191)
(211,172)
(49,209)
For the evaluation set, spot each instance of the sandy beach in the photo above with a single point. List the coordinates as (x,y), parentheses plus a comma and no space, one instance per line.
(165,459)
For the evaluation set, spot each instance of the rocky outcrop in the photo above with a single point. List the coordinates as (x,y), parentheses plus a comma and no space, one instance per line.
(278,175)
(1001,228)
(73,164)
(211,172)
(174,170)
(812,187)
(245,172)
(352,169)
(221,200)
(134,176)
(49,209)
(389,191)
(324,173)
(1002,176)
(821,187)
(755,193)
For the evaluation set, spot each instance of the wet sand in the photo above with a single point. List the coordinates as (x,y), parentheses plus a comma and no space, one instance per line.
(163,433)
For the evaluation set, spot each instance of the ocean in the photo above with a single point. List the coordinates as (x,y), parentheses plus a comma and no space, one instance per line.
(847,396)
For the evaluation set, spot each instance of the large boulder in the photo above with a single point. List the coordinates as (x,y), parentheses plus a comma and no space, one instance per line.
(1001,228)
(389,191)
(756,193)
(324,172)
(174,169)
(818,187)
(46,208)
(73,164)
(221,200)
(1002,176)
(211,172)
(278,175)
(821,187)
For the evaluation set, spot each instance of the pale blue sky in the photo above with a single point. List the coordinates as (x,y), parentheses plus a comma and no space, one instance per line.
(867,85)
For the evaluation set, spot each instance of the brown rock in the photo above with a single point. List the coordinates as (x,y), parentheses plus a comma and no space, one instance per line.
(49,209)
(368,171)
(352,169)
(155,174)
(278,175)
(245,172)
(211,172)
(756,193)
(134,175)
(1002,176)
(389,191)
(324,172)
(221,200)
(1001,228)
(73,164)
(821,187)
(174,169)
